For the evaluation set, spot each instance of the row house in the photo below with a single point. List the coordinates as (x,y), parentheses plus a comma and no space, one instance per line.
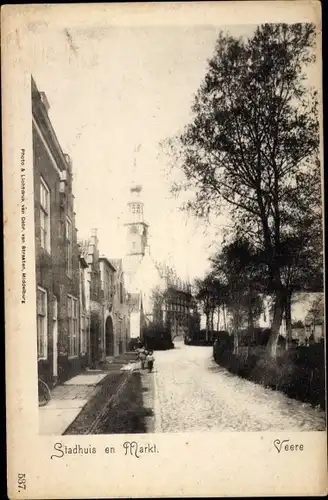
(121,312)
(82,307)
(107,274)
(105,308)
(60,349)
(92,309)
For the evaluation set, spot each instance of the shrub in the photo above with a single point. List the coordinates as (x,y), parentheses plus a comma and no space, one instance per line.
(222,344)
(298,372)
(250,337)
(133,343)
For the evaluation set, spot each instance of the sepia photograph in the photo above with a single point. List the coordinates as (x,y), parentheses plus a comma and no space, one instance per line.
(171,231)
(179,274)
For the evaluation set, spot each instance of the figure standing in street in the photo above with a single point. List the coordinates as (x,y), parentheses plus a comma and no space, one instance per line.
(150,361)
(142,357)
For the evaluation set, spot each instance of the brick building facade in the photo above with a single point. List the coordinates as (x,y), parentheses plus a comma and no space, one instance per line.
(56,252)
(107,274)
(121,312)
(94,299)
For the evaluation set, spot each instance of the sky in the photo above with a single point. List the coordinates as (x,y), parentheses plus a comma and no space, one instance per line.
(110,90)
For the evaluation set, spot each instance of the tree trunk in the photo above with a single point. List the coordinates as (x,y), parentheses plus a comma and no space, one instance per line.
(212,319)
(236,330)
(210,336)
(250,317)
(207,325)
(235,342)
(276,323)
(224,317)
(288,317)
(218,320)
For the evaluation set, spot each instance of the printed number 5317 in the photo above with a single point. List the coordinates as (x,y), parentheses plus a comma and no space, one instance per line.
(21,481)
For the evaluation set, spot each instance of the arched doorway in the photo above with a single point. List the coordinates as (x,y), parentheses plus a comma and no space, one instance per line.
(109,331)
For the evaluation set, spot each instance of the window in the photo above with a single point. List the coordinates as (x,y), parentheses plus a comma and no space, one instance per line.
(133,209)
(42,338)
(138,209)
(72,314)
(69,247)
(121,293)
(44,215)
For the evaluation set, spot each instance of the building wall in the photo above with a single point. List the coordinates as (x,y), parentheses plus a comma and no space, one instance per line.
(96,300)
(48,266)
(121,312)
(135,321)
(107,275)
(84,308)
(55,169)
(178,306)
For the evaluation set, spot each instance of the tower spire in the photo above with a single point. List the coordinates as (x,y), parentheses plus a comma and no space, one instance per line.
(134,178)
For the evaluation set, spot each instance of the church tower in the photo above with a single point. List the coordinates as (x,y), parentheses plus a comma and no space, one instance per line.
(137,228)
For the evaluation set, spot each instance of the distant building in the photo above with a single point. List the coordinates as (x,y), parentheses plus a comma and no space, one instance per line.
(56,252)
(179,308)
(314,321)
(137,317)
(121,312)
(85,308)
(140,271)
(89,249)
(107,273)
(307,316)
(155,295)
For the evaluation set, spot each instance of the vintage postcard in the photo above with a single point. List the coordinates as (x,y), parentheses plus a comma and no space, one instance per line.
(164,264)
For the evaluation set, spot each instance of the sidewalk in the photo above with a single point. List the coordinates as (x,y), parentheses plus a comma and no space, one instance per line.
(69,399)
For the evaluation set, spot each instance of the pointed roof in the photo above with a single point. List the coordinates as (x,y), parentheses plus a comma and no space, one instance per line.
(104,258)
(118,264)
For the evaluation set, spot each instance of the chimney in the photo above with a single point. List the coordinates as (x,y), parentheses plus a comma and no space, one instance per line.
(94,238)
(68,161)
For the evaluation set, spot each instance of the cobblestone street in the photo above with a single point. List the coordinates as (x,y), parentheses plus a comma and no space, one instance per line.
(193,393)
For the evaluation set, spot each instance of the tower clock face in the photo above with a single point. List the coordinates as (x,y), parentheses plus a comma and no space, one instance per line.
(140,229)
(133,230)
